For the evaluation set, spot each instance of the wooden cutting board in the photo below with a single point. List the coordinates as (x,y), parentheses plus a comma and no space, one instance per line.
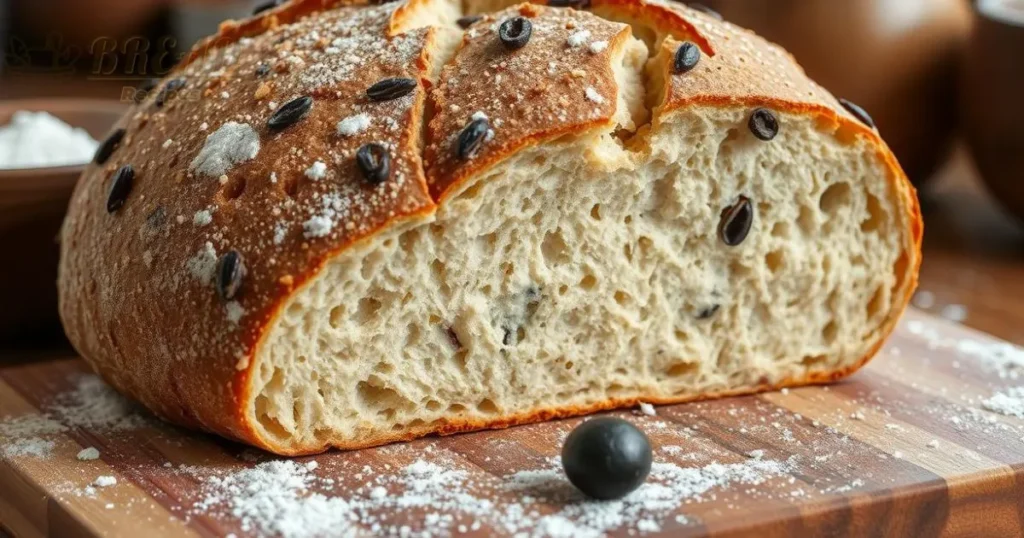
(904,448)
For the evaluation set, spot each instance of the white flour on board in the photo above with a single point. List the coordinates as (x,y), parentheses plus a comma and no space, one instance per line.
(287,499)
(1003,358)
(1009,402)
(90,404)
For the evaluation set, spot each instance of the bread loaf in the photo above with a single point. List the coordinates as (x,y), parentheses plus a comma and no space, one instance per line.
(342,225)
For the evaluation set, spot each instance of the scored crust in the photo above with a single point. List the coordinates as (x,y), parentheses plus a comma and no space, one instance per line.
(137,297)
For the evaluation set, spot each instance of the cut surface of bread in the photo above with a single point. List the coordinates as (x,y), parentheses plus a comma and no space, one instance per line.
(625,232)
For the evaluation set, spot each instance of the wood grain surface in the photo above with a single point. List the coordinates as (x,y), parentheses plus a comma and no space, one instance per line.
(904,448)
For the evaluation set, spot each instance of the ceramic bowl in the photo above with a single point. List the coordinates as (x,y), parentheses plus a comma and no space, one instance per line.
(32,205)
(992,106)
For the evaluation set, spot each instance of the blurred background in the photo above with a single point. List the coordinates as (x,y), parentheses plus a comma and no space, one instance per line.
(943,79)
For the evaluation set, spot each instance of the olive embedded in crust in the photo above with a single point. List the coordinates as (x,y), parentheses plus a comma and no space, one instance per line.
(607,458)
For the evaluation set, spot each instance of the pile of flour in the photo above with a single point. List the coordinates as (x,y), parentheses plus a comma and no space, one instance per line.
(90,404)
(287,498)
(39,140)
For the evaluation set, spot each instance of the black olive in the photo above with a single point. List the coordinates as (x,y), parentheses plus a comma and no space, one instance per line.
(469,20)
(148,85)
(390,88)
(230,272)
(736,222)
(169,91)
(108,147)
(858,112)
(143,90)
(515,32)
(763,124)
(687,57)
(606,458)
(374,162)
(120,188)
(290,113)
(472,137)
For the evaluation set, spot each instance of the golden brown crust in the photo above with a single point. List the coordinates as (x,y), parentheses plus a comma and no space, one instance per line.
(559,84)
(136,297)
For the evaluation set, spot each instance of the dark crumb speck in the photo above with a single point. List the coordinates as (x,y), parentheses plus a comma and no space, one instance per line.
(454,338)
(709,312)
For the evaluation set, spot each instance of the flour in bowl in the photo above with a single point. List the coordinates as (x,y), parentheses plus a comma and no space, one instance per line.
(39,140)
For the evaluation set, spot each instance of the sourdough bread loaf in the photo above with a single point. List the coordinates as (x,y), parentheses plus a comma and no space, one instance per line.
(341,225)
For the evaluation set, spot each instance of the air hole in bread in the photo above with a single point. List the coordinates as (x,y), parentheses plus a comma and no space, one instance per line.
(456,408)
(836,197)
(461,358)
(781,230)
(368,308)
(487,407)
(627,251)
(555,250)
(681,336)
(877,217)
(569,365)
(830,332)
(383,368)
(270,424)
(471,192)
(900,270)
(738,270)
(372,394)
(298,411)
(616,388)
(371,262)
(622,298)
(813,360)
(682,369)
(877,303)
(807,221)
(588,282)
(775,260)
(433,405)
(337,316)
(491,240)
(644,243)
(595,212)
(563,289)
(437,270)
